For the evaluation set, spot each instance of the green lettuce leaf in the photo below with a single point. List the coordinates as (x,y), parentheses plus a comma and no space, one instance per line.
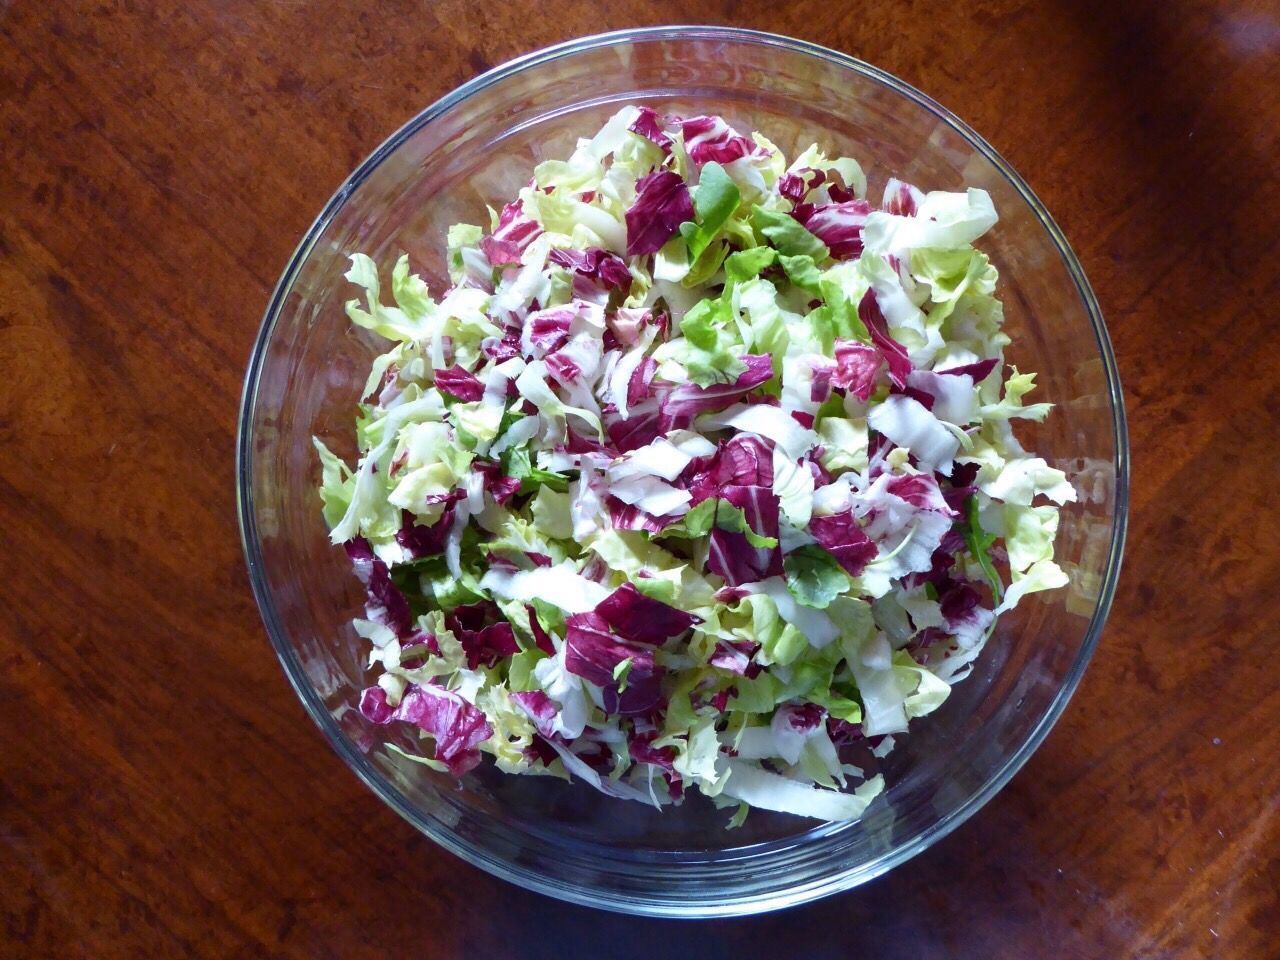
(928,691)
(1029,535)
(803,272)
(390,322)
(1041,575)
(780,641)
(446,590)
(758,694)
(705,266)
(787,235)
(336,484)
(481,419)
(950,274)
(744,265)
(814,577)
(844,443)
(551,514)
(1015,388)
(714,201)
(714,512)
(410,290)
(710,348)
(661,589)
(460,237)
(766,323)
(842,288)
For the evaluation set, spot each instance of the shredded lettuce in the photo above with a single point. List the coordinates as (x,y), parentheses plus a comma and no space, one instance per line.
(700,470)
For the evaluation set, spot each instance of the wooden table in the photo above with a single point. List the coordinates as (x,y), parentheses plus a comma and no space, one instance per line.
(162,793)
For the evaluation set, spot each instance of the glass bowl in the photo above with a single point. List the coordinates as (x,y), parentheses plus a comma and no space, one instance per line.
(477,146)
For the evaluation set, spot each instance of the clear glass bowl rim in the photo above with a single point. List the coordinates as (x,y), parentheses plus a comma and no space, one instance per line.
(732,904)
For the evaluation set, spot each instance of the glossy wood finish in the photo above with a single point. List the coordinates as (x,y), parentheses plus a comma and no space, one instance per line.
(162,793)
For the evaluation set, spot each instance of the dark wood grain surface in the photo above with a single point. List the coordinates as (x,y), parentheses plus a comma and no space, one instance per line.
(162,793)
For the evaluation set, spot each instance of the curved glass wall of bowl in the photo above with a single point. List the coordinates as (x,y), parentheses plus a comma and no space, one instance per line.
(477,147)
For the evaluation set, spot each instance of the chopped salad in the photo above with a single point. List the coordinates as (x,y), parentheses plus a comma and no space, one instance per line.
(701,474)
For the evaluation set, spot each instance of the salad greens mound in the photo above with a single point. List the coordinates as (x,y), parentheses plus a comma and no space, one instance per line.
(700,475)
